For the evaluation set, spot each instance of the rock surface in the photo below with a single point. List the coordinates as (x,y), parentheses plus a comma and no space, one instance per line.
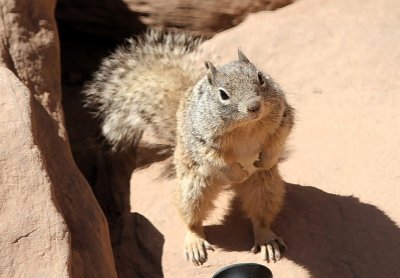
(51,224)
(204,17)
(339,62)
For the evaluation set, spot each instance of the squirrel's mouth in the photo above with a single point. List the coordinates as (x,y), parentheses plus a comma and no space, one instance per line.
(256,115)
(246,118)
(254,109)
(253,116)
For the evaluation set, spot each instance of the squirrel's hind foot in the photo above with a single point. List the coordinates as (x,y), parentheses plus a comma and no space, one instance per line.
(271,246)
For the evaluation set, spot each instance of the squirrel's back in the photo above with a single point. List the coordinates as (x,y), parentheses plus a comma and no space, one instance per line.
(139,86)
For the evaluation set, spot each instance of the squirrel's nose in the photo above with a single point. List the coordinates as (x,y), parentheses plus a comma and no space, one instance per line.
(254,106)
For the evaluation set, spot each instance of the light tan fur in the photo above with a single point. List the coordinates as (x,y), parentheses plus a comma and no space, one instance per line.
(257,183)
(228,125)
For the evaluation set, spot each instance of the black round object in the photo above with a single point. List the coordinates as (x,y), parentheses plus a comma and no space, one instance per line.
(244,270)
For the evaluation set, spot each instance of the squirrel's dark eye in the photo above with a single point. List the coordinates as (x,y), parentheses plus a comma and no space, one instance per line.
(223,94)
(260,78)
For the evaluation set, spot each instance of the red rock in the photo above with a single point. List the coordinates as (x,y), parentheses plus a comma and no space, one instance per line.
(51,224)
(204,17)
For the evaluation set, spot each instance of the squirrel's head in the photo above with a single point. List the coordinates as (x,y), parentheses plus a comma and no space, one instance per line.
(241,93)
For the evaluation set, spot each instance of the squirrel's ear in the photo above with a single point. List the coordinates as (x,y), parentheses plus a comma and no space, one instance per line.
(212,71)
(242,57)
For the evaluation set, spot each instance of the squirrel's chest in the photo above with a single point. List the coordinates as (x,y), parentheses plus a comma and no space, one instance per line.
(245,149)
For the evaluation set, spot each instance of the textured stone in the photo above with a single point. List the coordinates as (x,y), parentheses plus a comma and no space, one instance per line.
(204,17)
(51,224)
(339,62)
(35,239)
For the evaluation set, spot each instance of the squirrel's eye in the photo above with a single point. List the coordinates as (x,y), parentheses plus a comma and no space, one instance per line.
(223,94)
(260,78)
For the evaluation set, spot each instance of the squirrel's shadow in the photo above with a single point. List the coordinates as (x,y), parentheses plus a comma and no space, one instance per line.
(329,235)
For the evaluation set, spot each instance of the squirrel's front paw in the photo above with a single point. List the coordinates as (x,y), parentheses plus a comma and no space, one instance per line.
(236,173)
(263,163)
(259,164)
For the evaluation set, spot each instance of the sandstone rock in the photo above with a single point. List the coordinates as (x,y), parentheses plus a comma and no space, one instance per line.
(204,17)
(35,239)
(339,63)
(51,224)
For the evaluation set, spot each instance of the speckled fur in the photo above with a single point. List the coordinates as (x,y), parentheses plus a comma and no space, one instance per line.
(139,86)
(156,83)
(213,138)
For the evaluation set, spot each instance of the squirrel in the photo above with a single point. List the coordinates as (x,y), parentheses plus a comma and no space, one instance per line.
(227,124)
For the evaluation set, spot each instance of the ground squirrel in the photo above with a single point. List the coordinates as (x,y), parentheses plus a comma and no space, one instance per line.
(227,124)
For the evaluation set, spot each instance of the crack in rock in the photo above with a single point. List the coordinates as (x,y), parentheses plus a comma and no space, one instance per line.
(23,236)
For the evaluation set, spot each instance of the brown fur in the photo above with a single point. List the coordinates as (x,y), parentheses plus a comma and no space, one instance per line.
(261,192)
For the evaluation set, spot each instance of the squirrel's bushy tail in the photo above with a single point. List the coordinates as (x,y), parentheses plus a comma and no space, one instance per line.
(130,86)
(158,44)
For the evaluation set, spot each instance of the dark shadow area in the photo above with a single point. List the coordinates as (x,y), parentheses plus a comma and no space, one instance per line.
(137,244)
(149,154)
(330,235)
(88,31)
(106,20)
(142,248)
(83,45)
(234,233)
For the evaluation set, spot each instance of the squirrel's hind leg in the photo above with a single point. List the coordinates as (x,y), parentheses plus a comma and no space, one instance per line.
(262,198)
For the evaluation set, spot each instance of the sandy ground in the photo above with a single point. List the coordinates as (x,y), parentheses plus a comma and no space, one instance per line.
(339,62)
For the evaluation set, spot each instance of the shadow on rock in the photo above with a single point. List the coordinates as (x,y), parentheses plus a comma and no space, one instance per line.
(83,46)
(141,248)
(234,233)
(137,244)
(329,235)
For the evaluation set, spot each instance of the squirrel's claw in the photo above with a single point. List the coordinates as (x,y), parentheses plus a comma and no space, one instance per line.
(258,164)
(271,250)
(261,165)
(196,250)
(264,163)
